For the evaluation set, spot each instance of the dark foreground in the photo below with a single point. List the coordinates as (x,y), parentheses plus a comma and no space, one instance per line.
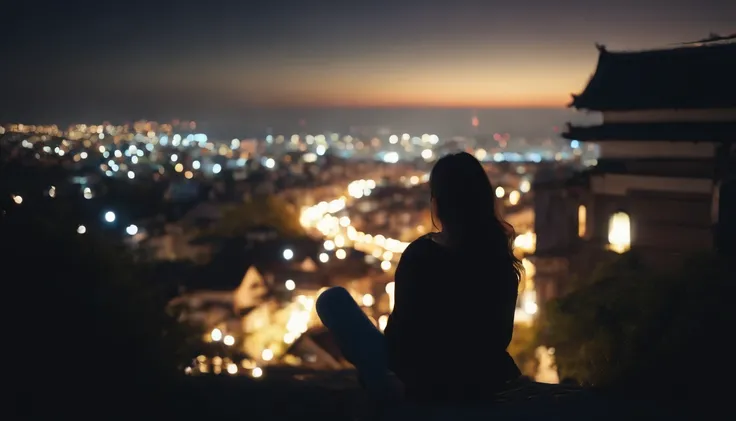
(316,396)
(337,397)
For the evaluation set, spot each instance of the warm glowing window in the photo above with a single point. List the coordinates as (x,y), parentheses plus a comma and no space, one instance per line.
(619,232)
(582,220)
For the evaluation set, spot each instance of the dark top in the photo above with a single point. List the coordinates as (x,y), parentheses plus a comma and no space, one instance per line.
(452,321)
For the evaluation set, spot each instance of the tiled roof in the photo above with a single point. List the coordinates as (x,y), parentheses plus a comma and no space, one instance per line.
(693,77)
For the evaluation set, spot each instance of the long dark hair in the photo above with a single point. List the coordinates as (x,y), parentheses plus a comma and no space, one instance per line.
(466,207)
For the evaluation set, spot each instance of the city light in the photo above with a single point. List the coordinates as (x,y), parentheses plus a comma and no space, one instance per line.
(525,186)
(288,254)
(514,197)
(368,300)
(232,368)
(382,322)
(390,291)
(340,214)
(391,157)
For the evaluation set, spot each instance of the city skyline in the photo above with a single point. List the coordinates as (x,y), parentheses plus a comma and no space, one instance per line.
(531,123)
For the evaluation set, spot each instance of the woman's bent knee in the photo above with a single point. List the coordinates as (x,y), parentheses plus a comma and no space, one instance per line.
(330,296)
(330,302)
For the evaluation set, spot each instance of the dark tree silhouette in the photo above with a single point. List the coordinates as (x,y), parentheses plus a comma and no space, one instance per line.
(89,328)
(653,334)
(268,211)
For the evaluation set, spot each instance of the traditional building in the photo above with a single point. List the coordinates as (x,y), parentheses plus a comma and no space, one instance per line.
(664,180)
(557,192)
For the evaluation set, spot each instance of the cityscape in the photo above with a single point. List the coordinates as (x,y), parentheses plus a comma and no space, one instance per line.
(368,221)
(172,267)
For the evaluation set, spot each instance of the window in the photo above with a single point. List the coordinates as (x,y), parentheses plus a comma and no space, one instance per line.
(582,220)
(619,232)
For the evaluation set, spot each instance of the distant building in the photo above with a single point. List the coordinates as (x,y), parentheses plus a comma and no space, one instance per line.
(182,191)
(664,180)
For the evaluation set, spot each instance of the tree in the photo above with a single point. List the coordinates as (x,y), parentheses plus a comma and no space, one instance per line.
(645,332)
(89,328)
(270,211)
(522,348)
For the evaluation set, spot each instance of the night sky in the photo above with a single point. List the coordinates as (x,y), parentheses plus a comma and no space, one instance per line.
(120,57)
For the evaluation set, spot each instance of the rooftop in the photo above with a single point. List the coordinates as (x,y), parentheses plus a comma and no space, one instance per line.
(686,77)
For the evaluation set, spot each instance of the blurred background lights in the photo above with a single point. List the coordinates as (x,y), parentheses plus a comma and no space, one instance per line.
(288,254)
(131,229)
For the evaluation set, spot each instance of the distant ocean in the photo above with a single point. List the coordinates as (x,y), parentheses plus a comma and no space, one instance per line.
(231,122)
(443,122)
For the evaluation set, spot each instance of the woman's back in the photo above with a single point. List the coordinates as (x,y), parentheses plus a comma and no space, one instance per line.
(456,292)
(452,321)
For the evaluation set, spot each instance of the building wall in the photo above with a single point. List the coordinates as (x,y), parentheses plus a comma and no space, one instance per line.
(555,220)
(622,184)
(699,168)
(667,116)
(655,149)
(175,245)
(662,223)
(550,277)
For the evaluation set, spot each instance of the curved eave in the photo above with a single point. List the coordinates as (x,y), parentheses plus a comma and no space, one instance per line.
(696,77)
(579,101)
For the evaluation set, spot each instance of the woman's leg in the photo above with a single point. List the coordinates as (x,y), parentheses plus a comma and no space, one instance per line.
(361,343)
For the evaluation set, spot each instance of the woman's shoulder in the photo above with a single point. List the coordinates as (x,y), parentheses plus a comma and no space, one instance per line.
(421,246)
(421,243)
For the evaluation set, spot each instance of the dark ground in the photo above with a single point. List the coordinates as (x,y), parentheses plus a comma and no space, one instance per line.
(333,396)
(337,397)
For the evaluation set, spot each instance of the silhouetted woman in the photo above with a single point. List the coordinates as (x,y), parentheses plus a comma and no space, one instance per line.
(454,306)
(456,293)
